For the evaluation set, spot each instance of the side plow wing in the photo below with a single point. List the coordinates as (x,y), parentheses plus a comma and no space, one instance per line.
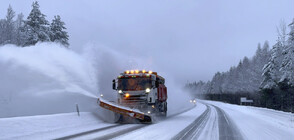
(124,110)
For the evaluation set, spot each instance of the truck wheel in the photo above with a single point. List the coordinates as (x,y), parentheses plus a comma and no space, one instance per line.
(164,114)
(165,109)
(119,118)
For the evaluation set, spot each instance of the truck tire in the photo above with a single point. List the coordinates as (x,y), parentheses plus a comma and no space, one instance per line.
(165,109)
(164,114)
(119,118)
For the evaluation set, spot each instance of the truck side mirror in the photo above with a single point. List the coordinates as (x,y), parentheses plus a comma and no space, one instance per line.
(113,84)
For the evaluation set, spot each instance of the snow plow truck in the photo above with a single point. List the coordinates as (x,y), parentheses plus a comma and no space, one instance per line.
(141,94)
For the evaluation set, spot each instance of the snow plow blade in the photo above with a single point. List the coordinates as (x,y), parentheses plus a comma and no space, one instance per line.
(125,111)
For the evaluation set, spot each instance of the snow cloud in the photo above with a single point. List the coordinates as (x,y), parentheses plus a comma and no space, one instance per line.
(45,78)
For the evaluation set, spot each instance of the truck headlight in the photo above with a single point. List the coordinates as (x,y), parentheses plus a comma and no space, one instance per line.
(147,90)
(120,91)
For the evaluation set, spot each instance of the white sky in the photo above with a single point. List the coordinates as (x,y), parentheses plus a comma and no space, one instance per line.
(191,39)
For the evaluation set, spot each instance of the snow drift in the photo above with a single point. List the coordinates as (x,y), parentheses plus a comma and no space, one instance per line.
(43,79)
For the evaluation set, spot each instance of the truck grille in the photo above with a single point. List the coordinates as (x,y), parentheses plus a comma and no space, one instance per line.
(136,97)
(135,101)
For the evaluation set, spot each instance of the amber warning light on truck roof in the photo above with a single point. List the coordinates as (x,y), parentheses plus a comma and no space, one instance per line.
(139,71)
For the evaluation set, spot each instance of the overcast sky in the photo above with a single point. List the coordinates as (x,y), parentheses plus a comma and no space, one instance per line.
(191,39)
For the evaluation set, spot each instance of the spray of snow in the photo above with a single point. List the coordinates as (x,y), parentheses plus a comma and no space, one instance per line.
(45,78)
(109,63)
(48,78)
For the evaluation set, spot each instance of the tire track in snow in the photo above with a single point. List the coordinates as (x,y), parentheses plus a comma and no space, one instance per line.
(125,131)
(211,129)
(122,132)
(117,133)
(195,128)
(87,132)
(227,129)
(106,132)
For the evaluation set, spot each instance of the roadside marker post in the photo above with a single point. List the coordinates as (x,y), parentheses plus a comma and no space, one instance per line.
(78,111)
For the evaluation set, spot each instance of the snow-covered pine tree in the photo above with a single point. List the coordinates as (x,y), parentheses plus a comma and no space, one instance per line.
(36,26)
(265,54)
(2,31)
(255,70)
(257,57)
(207,87)
(282,32)
(19,34)
(285,94)
(9,30)
(216,83)
(271,74)
(226,82)
(239,77)
(230,81)
(57,33)
(291,33)
(246,84)
(287,67)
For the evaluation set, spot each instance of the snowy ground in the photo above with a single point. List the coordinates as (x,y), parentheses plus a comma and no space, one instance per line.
(63,125)
(48,126)
(208,120)
(168,128)
(251,122)
(260,123)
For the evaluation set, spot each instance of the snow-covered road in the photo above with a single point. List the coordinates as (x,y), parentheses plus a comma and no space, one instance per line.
(212,124)
(208,120)
(259,123)
(145,131)
(205,121)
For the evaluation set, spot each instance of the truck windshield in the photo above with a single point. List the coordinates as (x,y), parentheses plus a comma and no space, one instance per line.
(134,83)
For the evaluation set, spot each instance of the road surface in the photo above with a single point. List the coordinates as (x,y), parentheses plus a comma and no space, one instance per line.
(207,120)
(211,120)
